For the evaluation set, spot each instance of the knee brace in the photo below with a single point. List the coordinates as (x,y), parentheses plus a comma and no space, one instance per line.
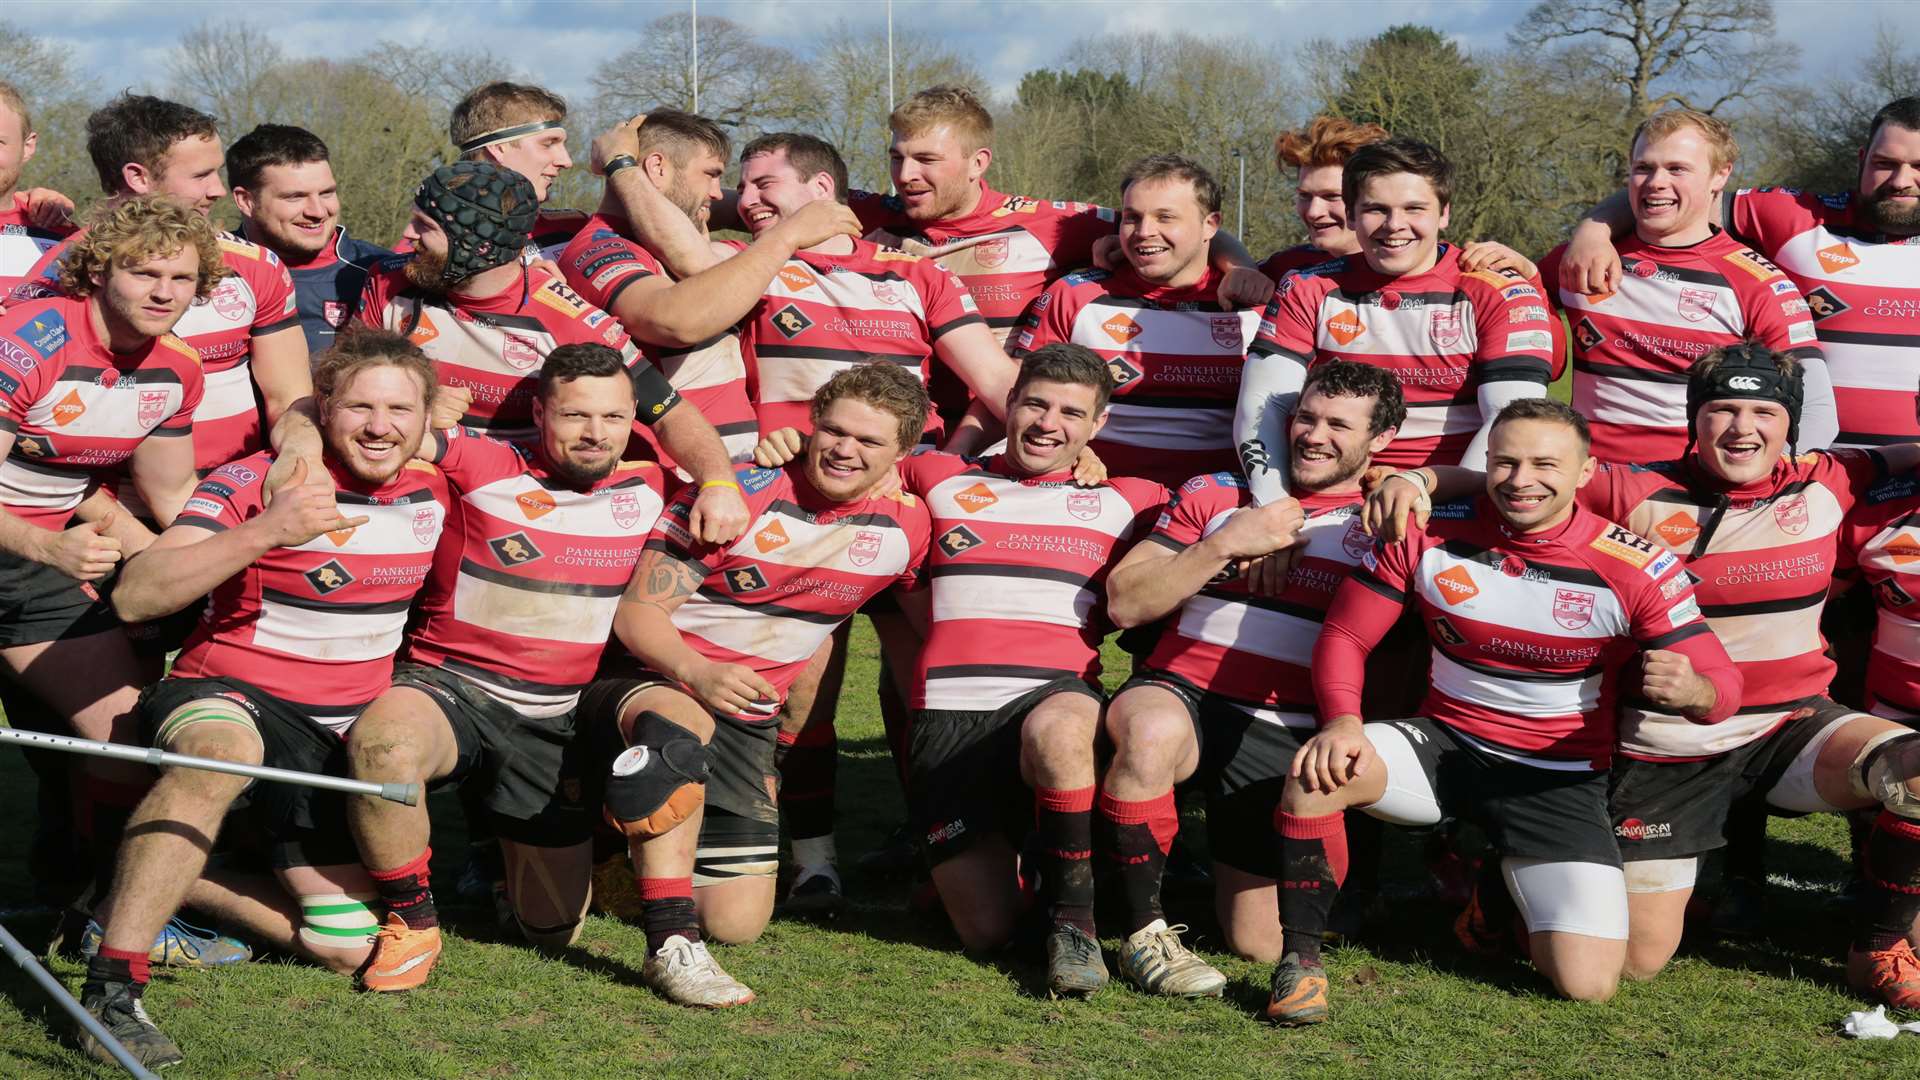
(337,922)
(531,869)
(659,781)
(1882,768)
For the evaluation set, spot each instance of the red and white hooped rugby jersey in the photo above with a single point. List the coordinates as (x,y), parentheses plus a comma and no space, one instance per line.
(493,345)
(824,313)
(1883,538)
(599,264)
(1632,347)
(316,625)
(1444,333)
(1529,632)
(76,409)
(1762,558)
(1253,650)
(1175,358)
(803,567)
(1288,260)
(522,604)
(1863,290)
(1018,569)
(255,299)
(22,243)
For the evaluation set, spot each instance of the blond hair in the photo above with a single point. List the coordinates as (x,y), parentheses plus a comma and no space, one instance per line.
(888,387)
(500,105)
(360,348)
(132,230)
(10,97)
(951,106)
(1722,149)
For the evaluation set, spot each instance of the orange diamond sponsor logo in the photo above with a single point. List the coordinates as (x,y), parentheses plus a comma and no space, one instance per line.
(69,409)
(1121,328)
(1903,549)
(1836,258)
(534,504)
(1346,326)
(1456,585)
(797,277)
(976,498)
(773,536)
(423,331)
(1678,531)
(340,537)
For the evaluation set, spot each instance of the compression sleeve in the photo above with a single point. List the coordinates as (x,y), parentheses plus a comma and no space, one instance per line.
(1819,416)
(1493,397)
(1269,390)
(1363,611)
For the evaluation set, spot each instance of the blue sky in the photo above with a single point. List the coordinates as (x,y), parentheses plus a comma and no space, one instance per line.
(561,41)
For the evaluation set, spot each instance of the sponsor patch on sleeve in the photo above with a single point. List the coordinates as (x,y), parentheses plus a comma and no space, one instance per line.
(1529,339)
(1800,333)
(1661,564)
(203,506)
(1682,613)
(1633,550)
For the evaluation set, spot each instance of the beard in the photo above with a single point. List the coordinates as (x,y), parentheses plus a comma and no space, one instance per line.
(1888,218)
(581,476)
(428,272)
(1342,469)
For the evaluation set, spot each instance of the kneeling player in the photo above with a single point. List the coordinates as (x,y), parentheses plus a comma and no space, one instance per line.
(1532,605)
(720,632)
(1225,700)
(306,612)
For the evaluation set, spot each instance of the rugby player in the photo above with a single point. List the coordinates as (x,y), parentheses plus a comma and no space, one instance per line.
(1464,343)
(720,633)
(1224,700)
(1689,288)
(1534,606)
(1317,154)
(512,627)
(665,174)
(1851,254)
(489,322)
(284,188)
(33,220)
(252,351)
(1174,356)
(309,598)
(1758,527)
(524,128)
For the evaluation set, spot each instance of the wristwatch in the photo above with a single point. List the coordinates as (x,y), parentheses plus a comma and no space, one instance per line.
(617,162)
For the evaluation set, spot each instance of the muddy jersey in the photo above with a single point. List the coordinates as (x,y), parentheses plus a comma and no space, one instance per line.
(1632,347)
(1762,558)
(255,299)
(316,625)
(1256,651)
(1175,358)
(825,313)
(1530,632)
(1863,290)
(1018,569)
(803,567)
(22,243)
(1444,333)
(523,595)
(1882,538)
(76,409)
(494,345)
(600,263)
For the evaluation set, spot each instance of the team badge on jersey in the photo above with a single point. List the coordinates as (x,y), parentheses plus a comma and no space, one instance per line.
(791,321)
(992,254)
(1695,304)
(884,292)
(1824,304)
(1226,331)
(865,547)
(958,540)
(1443,326)
(626,508)
(1084,505)
(746,579)
(334,312)
(229,300)
(1355,541)
(1791,514)
(514,549)
(521,354)
(328,577)
(426,524)
(1572,608)
(151,407)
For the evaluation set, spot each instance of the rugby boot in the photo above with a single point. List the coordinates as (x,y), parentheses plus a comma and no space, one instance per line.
(402,956)
(685,973)
(180,944)
(816,895)
(1155,962)
(1895,976)
(1075,967)
(1476,933)
(119,1010)
(1299,993)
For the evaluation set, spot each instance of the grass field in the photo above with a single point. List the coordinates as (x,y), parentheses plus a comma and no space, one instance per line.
(886,993)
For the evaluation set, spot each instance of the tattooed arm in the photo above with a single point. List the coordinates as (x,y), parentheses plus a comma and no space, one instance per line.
(644,624)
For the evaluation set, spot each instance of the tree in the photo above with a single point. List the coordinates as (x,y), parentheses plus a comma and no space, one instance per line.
(744,84)
(849,69)
(1700,54)
(56,97)
(1815,144)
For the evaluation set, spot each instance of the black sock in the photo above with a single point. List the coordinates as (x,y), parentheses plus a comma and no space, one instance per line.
(1365,834)
(1313,864)
(1892,867)
(405,892)
(1064,819)
(1135,837)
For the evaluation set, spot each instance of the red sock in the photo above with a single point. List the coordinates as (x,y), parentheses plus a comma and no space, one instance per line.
(1064,819)
(405,891)
(666,909)
(1135,838)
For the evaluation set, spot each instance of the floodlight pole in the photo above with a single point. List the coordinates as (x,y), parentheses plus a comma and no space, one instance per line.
(1240,199)
(889,57)
(693,31)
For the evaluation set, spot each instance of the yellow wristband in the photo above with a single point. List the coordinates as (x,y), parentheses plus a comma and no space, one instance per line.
(705,484)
